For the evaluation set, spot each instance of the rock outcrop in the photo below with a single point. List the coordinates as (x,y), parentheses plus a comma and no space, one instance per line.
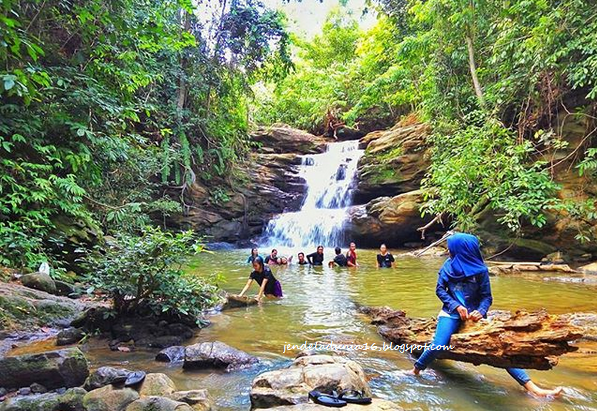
(390,220)
(521,340)
(290,386)
(394,162)
(53,369)
(273,186)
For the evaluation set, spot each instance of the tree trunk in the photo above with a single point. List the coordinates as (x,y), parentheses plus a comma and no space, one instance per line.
(521,340)
(473,67)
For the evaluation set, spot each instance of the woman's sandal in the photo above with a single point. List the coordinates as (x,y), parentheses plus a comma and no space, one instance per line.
(326,400)
(354,397)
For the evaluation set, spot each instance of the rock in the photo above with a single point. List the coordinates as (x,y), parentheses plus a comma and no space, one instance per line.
(589,268)
(171,354)
(109,398)
(284,139)
(217,355)
(24,391)
(158,404)
(104,376)
(38,388)
(69,335)
(390,220)
(198,399)
(70,400)
(394,162)
(587,322)
(53,369)
(317,372)
(65,289)
(235,301)
(180,330)
(26,308)
(157,384)
(520,340)
(39,281)
(376,405)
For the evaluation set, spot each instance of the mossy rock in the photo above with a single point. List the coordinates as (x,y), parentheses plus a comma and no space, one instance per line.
(71,400)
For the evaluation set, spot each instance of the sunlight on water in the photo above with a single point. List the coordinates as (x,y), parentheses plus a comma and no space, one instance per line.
(320,305)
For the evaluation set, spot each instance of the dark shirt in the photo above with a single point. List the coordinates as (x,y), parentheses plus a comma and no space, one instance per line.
(351,256)
(340,259)
(266,274)
(315,258)
(271,260)
(302,262)
(385,261)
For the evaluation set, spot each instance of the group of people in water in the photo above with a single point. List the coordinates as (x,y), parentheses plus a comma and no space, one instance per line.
(463,287)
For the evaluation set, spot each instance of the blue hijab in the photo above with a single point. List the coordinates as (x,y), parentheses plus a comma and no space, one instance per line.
(465,258)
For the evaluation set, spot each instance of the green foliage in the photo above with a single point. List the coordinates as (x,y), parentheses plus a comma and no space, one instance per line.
(146,272)
(98,98)
(480,165)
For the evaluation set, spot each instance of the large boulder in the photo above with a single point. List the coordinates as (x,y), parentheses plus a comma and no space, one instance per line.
(394,162)
(158,404)
(390,220)
(53,369)
(29,309)
(284,139)
(109,398)
(39,281)
(216,355)
(291,385)
(70,400)
(157,384)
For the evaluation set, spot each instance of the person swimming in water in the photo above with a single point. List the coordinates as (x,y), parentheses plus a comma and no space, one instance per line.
(272,259)
(262,275)
(464,289)
(254,254)
(301,259)
(385,259)
(351,255)
(316,258)
(339,259)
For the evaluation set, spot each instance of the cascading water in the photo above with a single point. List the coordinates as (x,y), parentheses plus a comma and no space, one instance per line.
(330,178)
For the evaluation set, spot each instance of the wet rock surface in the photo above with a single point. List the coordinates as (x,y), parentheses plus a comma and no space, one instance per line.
(290,386)
(53,369)
(216,355)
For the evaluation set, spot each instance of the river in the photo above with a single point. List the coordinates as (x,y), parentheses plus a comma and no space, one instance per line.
(320,305)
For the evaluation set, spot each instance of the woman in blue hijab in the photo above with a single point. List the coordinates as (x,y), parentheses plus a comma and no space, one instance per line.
(464,289)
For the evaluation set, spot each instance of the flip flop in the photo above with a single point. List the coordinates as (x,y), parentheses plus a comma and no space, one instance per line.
(326,400)
(134,378)
(354,397)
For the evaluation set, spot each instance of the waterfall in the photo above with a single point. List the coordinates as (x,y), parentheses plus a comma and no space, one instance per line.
(330,178)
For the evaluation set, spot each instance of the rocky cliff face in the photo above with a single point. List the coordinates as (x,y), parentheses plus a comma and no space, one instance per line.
(272,186)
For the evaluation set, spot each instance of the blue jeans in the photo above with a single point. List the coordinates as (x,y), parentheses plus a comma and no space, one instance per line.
(446,326)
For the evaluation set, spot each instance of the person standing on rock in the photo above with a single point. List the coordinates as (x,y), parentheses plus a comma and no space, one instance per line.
(339,260)
(272,259)
(351,255)
(385,259)
(253,256)
(464,289)
(262,275)
(316,258)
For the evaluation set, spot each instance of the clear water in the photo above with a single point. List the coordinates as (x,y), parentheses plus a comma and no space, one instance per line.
(320,304)
(330,179)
